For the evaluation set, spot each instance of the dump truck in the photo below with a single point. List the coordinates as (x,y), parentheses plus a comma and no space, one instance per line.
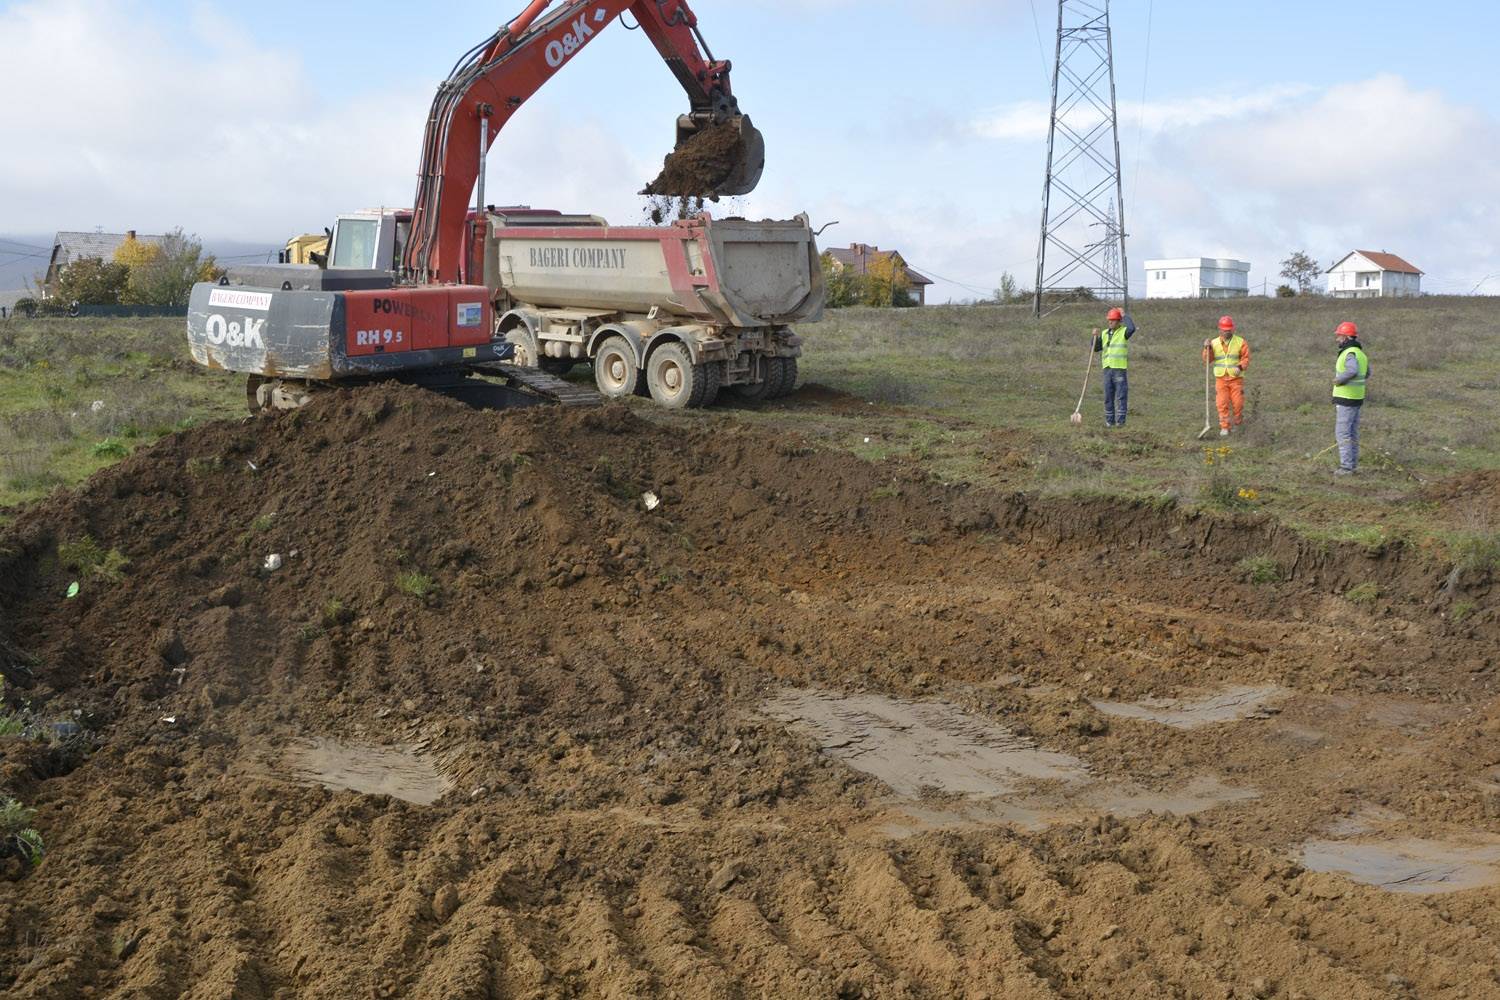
(675,312)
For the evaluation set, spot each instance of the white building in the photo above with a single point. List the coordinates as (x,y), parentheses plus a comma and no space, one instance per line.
(1365,274)
(1197,278)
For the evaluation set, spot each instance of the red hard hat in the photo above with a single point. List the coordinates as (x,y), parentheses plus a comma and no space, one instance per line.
(1347,330)
(1226,322)
(1115,314)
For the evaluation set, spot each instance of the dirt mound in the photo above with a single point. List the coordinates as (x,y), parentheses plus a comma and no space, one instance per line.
(699,167)
(492,727)
(1472,493)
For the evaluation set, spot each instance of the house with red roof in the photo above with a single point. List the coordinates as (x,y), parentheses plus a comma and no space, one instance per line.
(860,256)
(1365,274)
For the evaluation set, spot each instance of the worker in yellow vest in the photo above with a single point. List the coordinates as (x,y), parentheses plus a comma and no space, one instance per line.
(1351,372)
(1110,343)
(1230,356)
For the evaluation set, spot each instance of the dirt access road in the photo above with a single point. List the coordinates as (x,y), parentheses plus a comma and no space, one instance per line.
(809,728)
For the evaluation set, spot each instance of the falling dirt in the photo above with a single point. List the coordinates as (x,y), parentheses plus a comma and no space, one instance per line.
(699,167)
(631,803)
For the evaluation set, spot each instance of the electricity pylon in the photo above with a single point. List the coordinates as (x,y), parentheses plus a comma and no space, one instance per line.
(1083,188)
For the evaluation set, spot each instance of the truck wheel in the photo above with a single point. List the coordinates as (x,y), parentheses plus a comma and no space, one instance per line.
(754,392)
(676,382)
(525,354)
(783,372)
(713,381)
(615,372)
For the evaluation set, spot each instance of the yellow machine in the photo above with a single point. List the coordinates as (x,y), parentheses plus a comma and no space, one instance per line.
(309,248)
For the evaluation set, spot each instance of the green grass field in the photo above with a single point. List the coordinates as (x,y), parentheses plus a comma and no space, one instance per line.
(975,394)
(983,394)
(77,395)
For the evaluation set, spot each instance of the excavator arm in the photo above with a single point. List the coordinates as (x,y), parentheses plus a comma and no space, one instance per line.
(500,74)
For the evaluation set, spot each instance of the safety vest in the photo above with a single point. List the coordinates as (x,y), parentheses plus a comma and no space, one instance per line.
(1116,348)
(1355,387)
(1227,356)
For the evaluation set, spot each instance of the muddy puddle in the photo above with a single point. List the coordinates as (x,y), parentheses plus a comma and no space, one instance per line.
(369,770)
(1231,704)
(1407,865)
(948,768)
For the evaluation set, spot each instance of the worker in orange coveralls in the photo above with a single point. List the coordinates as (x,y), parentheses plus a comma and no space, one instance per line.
(1230,354)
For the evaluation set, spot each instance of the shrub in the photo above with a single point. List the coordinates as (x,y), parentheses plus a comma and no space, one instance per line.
(418,585)
(86,558)
(17,837)
(109,448)
(1362,593)
(1260,569)
(1476,551)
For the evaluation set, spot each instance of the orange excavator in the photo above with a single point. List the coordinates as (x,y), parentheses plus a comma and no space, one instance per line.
(432,319)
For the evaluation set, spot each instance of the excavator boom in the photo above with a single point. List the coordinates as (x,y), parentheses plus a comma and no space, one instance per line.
(499,75)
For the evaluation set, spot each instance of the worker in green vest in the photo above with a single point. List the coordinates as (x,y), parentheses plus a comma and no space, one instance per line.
(1110,343)
(1351,373)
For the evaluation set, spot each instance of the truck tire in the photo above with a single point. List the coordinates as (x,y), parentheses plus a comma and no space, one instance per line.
(754,392)
(783,372)
(615,372)
(676,382)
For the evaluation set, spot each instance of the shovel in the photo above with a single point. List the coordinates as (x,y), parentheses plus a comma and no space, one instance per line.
(1077,417)
(1208,391)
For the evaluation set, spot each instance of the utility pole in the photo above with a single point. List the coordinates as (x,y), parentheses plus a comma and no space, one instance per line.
(1083,187)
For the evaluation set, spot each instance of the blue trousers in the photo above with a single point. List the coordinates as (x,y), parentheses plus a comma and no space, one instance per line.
(1116,392)
(1346,433)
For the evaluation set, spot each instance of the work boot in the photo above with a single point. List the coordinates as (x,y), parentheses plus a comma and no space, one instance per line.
(1223,432)
(1343,472)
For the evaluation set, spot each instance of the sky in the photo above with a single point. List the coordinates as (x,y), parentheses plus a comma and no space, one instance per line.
(1246,131)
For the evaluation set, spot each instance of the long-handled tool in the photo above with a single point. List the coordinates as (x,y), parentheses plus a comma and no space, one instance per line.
(1208,391)
(1077,416)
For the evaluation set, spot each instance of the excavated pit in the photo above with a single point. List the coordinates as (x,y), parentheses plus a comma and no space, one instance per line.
(492,729)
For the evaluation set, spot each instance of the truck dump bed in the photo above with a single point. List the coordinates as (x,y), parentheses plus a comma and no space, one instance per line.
(730,272)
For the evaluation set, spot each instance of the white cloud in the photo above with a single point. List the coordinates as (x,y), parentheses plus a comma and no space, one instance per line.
(133,123)
(1376,163)
(1027,120)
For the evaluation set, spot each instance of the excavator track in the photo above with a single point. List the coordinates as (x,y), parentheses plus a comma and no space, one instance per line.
(549,387)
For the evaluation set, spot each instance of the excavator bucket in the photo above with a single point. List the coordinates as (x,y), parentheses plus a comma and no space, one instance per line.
(712,159)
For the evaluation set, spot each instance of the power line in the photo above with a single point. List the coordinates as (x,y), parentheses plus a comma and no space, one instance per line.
(1140,128)
(1040,50)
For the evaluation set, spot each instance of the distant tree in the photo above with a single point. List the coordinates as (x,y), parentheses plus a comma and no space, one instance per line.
(90,281)
(842,286)
(1009,290)
(134,253)
(165,273)
(26,307)
(1285,292)
(887,283)
(1302,270)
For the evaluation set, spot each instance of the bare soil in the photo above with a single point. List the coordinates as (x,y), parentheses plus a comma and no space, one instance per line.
(700,166)
(674,753)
